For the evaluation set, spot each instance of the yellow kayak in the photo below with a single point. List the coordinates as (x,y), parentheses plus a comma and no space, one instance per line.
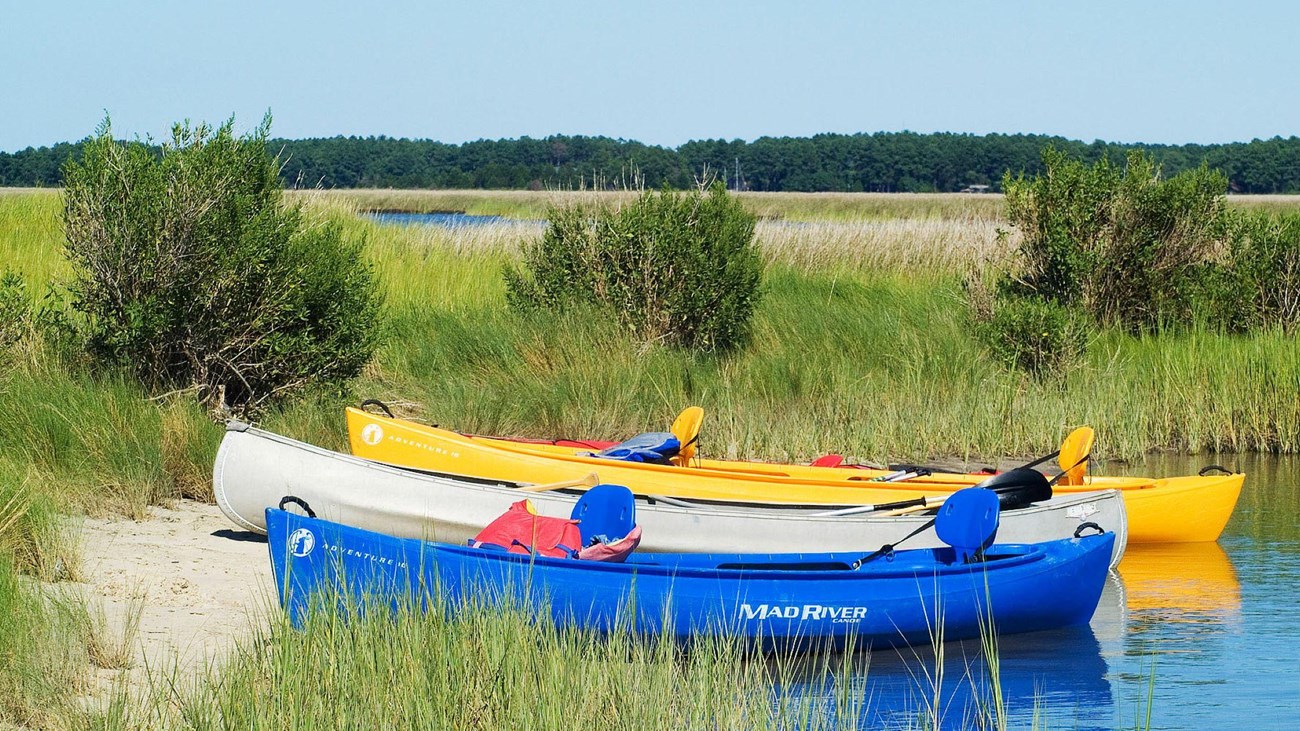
(1165,510)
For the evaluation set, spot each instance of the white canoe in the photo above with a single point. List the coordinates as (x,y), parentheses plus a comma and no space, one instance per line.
(255,468)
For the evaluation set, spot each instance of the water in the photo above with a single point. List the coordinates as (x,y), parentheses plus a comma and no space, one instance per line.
(1215,627)
(443,220)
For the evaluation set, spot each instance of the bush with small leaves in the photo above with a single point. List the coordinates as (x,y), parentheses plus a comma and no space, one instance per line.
(680,268)
(193,272)
(1267,264)
(1041,338)
(1128,246)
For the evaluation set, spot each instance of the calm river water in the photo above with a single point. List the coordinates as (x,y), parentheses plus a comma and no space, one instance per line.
(445,220)
(1210,632)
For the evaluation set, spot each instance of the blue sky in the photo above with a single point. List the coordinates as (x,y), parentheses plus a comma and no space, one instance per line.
(660,72)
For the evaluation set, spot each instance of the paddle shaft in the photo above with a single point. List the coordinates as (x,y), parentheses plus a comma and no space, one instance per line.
(916,508)
(903,507)
(590,480)
(920,502)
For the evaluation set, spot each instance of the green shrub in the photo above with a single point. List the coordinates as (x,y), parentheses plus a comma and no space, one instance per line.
(672,267)
(1129,247)
(193,272)
(1041,338)
(1267,264)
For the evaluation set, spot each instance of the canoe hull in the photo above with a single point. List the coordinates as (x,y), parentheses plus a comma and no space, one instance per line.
(254,469)
(914,599)
(1176,509)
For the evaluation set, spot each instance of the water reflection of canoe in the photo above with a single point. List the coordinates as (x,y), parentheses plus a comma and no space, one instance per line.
(1195,578)
(1056,678)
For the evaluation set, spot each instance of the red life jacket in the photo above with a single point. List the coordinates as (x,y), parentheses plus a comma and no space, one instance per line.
(520,530)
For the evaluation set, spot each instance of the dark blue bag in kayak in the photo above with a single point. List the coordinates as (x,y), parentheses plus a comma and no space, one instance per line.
(651,447)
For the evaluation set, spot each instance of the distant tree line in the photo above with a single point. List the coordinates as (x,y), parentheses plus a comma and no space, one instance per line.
(881,162)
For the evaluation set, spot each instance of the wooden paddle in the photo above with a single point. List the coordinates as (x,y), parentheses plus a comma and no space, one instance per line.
(590,480)
(936,502)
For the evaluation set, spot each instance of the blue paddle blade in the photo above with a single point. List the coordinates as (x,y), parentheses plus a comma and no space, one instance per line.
(968,521)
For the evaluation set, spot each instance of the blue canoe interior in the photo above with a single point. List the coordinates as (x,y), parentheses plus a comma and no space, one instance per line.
(773,600)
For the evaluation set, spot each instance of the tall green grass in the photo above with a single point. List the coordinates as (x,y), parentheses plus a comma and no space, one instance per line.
(95,443)
(43,663)
(31,238)
(492,666)
(478,669)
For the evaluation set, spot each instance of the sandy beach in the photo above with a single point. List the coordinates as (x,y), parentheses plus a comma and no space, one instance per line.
(199,583)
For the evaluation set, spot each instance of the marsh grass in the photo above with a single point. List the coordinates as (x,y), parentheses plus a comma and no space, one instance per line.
(111,642)
(35,538)
(479,668)
(93,441)
(30,238)
(488,665)
(1279,203)
(808,207)
(927,247)
(42,661)
(919,247)
(787,206)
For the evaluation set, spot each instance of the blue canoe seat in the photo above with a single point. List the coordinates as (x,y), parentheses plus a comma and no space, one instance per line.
(605,514)
(651,447)
(968,521)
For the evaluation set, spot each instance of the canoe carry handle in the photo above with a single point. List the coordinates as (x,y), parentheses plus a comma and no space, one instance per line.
(1213,467)
(287,499)
(380,404)
(1078,532)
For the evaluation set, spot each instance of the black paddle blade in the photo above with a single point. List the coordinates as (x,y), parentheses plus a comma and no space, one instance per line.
(1019,487)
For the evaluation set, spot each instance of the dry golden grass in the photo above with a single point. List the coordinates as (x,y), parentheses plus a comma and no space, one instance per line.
(1274,203)
(787,206)
(939,244)
(522,204)
(874,206)
(917,245)
(925,246)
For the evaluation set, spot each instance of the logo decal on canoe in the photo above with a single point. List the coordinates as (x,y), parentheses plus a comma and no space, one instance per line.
(301,542)
(814,612)
(1081,511)
(372,434)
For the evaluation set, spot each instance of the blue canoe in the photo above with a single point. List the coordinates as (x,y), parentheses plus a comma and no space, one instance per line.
(778,600)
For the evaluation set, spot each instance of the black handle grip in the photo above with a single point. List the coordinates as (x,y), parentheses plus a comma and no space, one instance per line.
(295,500)
(380,404)
(1078,532)
(1213,467)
